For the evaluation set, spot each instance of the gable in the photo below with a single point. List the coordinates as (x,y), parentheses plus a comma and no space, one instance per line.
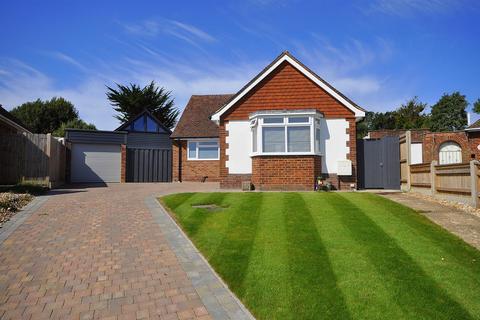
(144,122)
(287,84)
(287,89)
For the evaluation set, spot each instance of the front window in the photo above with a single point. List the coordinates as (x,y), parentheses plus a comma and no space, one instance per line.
(203,150)
(287,133)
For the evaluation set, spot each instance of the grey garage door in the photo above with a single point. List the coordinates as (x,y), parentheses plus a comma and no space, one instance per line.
(95,163)
(149,165)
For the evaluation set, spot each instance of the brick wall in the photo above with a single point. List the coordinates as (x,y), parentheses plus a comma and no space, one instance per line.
(433,141)
(192,170)
(285,172)
(123,165)
(417,134)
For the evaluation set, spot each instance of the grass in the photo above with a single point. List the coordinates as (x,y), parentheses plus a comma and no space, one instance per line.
(332,256)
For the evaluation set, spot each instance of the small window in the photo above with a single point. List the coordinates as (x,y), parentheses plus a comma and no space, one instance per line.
(151,125)
(203,150)
(298,119)
(298,139)
(273,120)
(317,138)
(139,124)
(273,139)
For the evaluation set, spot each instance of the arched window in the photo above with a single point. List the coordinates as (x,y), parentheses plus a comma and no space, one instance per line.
(450,152)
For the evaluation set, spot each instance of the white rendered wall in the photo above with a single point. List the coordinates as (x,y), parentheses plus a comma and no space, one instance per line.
(333,143)
(416,153)
(239,139)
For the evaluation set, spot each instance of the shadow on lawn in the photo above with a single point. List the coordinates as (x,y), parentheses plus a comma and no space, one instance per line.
(417,294)
(314,284)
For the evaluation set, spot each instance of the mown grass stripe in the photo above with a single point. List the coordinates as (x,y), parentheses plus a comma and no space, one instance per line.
(313,281)
(418,294)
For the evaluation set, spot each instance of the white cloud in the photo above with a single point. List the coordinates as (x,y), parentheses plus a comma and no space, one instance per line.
(180,30)
(409,7)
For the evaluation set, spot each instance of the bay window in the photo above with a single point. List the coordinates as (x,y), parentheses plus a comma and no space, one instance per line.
(296,132)
(203,150)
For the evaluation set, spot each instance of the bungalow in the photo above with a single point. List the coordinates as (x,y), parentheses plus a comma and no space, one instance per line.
(283,130)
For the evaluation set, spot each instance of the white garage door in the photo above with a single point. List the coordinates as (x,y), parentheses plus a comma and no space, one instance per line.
(95,163)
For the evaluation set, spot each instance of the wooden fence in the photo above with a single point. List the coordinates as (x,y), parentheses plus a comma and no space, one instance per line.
(32,157)
(457,182)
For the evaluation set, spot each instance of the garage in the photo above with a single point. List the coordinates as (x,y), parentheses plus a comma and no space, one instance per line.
(138,151)
(95,163)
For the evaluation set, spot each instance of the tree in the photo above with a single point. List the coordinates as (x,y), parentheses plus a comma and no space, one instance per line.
(449,113)
(129,101)
(476,106)
(45,116)
(73,124)
(410,115)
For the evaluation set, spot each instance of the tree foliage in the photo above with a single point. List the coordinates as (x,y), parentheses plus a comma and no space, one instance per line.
(73,124)
(45,116)
(476,106)
(449,113)
(129,101)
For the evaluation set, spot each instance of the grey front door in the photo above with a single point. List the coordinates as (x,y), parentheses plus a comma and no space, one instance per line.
(379,163)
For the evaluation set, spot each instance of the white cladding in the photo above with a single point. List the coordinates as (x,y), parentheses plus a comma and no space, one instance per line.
(416,153)
(239,139)
(333,143)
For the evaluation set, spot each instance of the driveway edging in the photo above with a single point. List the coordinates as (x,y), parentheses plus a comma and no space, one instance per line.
(17,219)
(219,300)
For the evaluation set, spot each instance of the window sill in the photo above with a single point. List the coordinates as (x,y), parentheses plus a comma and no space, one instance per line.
(203,159)
(283,154)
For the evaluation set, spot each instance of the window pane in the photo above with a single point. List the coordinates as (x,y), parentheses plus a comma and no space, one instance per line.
(317,139)
(208,143)
(254,139)
(192,150)
(207,152)
(298,139)
(273,120)
(273,139)
(139,125)
(298,120)
(151,125)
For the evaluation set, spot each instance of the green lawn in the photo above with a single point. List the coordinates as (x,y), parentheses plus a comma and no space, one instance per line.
(332,256)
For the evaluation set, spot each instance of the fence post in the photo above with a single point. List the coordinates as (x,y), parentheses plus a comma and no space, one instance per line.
(49,158)
(473,183)
(408,142)
(433,177)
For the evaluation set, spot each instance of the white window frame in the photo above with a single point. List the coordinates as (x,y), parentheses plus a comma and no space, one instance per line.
(199,141)
(257,122)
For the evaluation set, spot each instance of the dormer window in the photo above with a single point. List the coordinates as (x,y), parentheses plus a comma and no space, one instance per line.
(286,132)
(145,123)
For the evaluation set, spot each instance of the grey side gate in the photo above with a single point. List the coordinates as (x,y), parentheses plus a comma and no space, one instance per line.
(149,165)
(379,163)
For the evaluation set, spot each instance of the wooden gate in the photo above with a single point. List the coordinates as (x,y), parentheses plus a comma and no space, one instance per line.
(149,165)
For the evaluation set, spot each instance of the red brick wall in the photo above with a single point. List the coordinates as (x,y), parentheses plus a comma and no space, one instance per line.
(192,170)
(433,141)
(417,135)
(285,172)
(123,165)
(474,142)
(286,89)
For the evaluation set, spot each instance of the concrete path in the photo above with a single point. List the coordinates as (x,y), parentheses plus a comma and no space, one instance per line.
(458,222)
(107,253)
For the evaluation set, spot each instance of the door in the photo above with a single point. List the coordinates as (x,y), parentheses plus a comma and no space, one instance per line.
(379,163)
(149,165)
(95,163)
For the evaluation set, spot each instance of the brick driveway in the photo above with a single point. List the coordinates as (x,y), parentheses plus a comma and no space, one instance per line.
(96,253)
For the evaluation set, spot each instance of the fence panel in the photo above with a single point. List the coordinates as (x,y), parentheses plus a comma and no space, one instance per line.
(420,175)
(453,178)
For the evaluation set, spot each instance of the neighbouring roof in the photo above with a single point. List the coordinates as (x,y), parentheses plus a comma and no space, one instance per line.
(125,126)
(474,126)
(12,120)
(286,56)
(195,120)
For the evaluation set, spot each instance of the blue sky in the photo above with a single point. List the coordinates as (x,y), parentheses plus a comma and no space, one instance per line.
(379,53)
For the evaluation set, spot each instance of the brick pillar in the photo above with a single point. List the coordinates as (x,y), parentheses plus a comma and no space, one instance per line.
(123,166)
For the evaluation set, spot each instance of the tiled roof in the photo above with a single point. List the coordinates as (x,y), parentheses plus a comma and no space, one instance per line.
(195,121)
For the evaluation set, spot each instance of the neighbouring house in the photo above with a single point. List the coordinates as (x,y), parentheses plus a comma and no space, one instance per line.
(444,147)
(137,151)
(282,130)
(10,124)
